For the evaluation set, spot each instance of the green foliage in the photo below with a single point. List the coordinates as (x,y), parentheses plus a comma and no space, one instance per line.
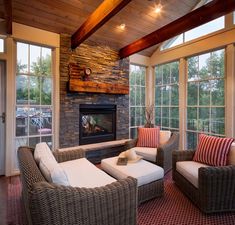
(20,67)
(137,97)
(208,84)
(167,95)
(42,67)
(39,83)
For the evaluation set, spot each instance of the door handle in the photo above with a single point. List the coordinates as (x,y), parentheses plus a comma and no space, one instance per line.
(3,116)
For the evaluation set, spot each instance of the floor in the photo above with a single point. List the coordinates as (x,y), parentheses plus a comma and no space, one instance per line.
(4,183)
(3,196)
(153,212)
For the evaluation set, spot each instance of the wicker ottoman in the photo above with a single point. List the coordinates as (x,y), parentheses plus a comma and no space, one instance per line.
(149,176)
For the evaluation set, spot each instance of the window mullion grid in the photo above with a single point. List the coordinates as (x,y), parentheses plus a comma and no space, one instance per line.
(40,89)
(28,105)
(170,90)
(198,95)
(210,107)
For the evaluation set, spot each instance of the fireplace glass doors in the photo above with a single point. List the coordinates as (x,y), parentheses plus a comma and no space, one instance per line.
(97,123)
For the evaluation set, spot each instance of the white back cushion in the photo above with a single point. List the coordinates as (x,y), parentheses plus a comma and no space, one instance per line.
(164,136)
(231,155)
(53,172)
(43,151)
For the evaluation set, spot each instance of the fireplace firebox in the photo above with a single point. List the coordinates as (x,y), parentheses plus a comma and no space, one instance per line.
(97,123)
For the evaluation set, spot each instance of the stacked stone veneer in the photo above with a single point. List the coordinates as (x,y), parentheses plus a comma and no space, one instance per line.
(107,68)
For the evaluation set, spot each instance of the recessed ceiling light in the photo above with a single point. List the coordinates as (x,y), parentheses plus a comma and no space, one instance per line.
(158,8)
(122,26)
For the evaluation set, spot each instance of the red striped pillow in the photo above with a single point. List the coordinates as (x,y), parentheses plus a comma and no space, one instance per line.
(148,137)
(212,150)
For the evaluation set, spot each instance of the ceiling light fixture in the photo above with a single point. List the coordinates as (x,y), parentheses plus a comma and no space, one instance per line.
(158,7)
(122,26)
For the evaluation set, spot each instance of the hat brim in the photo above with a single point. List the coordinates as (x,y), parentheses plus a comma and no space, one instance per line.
(135,160)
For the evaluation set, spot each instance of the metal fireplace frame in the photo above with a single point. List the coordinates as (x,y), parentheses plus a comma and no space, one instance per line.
(85,109)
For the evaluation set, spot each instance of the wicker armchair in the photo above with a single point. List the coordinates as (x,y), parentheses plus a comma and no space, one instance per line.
(164,152)
(216,185)
(48,203)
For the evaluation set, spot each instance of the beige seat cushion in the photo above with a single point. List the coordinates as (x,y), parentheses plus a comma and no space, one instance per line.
(189,169)
(145,172)
(82,173)
(149,154)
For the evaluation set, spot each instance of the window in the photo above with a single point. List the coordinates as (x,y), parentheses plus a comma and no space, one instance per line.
(137,98)
(204,29)
(197,32)
(1,45)
(205,96)
(167,96)
(34,105)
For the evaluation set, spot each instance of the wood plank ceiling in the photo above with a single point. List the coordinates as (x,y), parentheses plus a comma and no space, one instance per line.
(66,16)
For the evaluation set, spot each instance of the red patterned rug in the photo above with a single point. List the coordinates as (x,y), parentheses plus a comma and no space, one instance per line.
(176,209)
(172,209)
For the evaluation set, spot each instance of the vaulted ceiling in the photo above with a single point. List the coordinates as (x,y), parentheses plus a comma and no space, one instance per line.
(66,16)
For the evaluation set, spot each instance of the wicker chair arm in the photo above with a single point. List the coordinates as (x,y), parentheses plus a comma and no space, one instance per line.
(115,203)
(216,187)
(62,156)
(130,144)
(164,152)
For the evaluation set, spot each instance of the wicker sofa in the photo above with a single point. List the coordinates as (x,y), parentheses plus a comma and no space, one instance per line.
(164,152)
(47,203)
(216,185)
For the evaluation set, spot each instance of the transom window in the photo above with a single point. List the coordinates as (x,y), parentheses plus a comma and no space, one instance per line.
(197,32)
(137,98)
(167,96)
(34,105)
(205,96)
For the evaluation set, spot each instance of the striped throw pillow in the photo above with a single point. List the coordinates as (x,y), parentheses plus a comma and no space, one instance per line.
(212,150)
(148,137)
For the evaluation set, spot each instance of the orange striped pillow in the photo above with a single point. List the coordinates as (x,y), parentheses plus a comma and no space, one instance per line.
(212,150)
(148,137)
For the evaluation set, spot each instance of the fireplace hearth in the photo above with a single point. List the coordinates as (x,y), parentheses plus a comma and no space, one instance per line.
(97,123)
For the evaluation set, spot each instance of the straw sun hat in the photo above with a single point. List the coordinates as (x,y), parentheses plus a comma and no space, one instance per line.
(130,155)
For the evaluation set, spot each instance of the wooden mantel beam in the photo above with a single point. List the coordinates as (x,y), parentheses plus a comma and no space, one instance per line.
(8,15)
(105,11)
(191,20)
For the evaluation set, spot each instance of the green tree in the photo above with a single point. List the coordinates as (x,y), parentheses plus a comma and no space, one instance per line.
(210,92)
(20,67)
(39,82)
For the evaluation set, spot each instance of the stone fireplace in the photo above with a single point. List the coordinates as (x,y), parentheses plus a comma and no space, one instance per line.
(97,123)
(106,68)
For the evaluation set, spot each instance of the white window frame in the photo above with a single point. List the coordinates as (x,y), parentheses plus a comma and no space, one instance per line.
(29,75)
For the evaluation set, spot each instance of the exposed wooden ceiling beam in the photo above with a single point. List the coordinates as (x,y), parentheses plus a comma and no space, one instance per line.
(106,10)
(191,20)
(8,15)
